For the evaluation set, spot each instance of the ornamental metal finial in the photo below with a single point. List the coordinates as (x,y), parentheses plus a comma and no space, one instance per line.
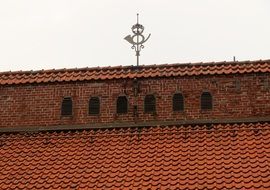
(137,39)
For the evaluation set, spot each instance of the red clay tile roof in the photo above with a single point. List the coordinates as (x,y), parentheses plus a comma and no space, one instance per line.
(228,156)
(123,72)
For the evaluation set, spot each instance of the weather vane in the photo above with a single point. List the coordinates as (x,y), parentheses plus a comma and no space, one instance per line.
(137,39)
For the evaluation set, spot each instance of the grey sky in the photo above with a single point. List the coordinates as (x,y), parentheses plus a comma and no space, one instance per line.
(45,34)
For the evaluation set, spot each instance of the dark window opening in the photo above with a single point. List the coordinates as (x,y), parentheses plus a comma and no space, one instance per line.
(150,104)
(178,102)
(66,109)
(122,105)
(94,106)
(206,101)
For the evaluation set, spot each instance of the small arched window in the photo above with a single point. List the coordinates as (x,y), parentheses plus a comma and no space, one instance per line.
(150,104)
(122,105)
(94,106)
(178,102)
(206,101)
(66,108)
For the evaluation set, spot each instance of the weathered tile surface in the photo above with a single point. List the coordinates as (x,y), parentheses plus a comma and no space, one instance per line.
(124,72)
(228,156)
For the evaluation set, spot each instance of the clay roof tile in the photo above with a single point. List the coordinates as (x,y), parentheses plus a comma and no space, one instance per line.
(143,71)
(164,157)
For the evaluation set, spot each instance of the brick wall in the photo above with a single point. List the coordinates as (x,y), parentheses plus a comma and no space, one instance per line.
(234,96)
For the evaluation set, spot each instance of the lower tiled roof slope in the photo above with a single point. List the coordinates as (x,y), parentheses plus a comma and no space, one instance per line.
(218,156)
(125,72)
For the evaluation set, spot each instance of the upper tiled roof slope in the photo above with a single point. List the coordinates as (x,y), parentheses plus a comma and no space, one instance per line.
(122,72)
(231,156)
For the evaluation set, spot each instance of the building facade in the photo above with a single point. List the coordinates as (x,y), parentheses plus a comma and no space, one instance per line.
(238,92)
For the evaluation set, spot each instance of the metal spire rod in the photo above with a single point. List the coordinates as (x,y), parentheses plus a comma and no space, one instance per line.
(137,45)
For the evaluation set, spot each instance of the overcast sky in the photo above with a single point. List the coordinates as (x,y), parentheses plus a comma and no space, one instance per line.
(45,34)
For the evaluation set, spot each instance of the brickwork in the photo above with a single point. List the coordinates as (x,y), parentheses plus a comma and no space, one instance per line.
(234,96)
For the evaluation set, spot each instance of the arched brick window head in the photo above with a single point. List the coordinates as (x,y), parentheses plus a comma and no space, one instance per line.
(206,101)
(122,105)
(94,106)
(66,108)
(150,104)
(178,102)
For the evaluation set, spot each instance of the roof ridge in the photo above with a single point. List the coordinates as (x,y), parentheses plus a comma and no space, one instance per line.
(53,70)
(130,71)
(181,128)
